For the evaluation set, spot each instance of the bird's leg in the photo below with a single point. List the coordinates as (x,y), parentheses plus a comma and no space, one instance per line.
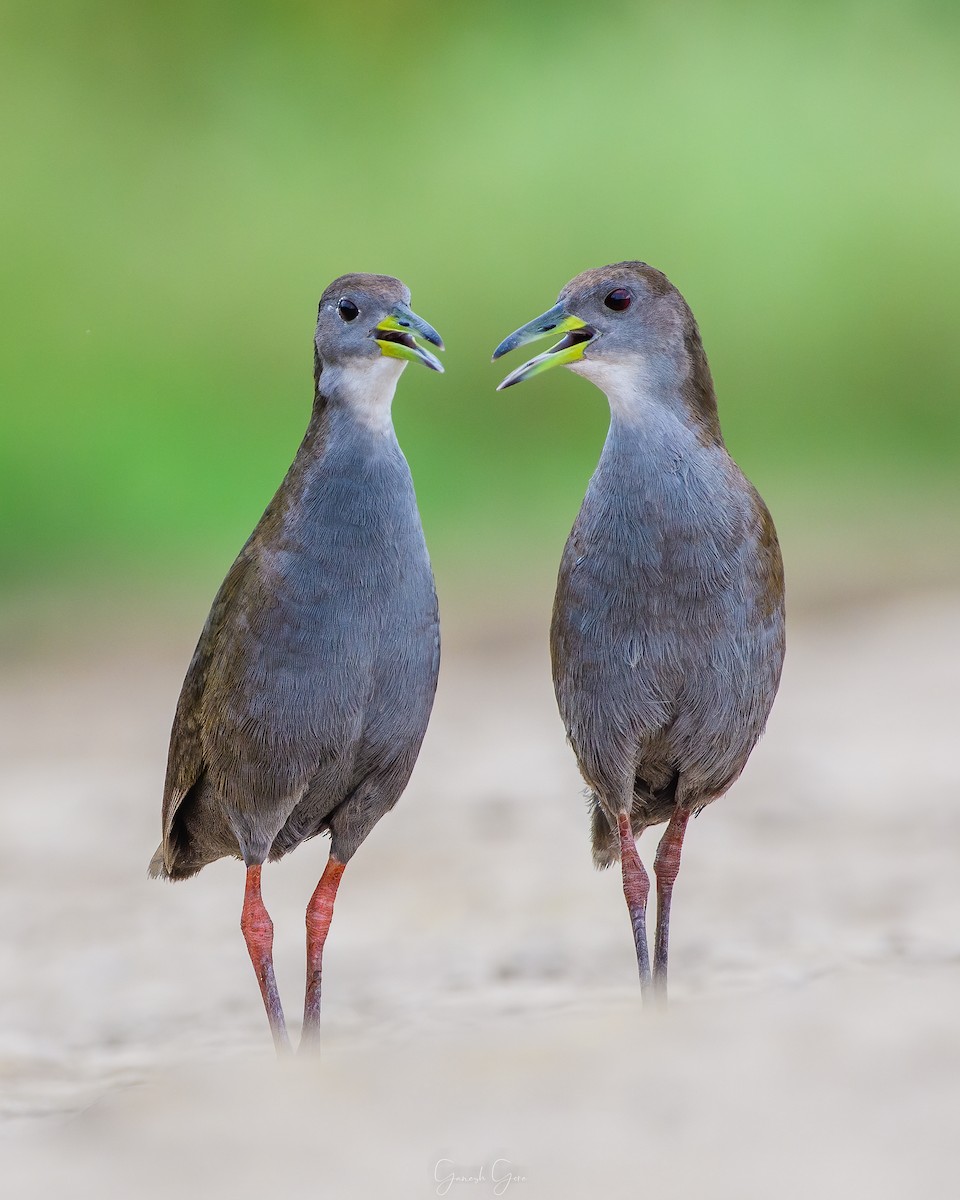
(636,888)
(319,916)
(258,934)
(666,865)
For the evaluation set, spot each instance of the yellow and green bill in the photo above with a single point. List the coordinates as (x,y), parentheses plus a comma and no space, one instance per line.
(400,330)
(577,336)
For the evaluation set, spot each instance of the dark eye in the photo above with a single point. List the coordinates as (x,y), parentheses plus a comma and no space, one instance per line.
(348,310)
(618,300)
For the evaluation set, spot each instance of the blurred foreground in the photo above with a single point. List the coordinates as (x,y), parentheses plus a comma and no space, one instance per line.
(481,1001)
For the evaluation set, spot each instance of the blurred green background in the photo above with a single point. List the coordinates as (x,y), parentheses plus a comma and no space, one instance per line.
(181,180)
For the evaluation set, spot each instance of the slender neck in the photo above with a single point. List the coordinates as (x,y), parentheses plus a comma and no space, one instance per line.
(348,405)
(652,393)
(359,394)
(647,433)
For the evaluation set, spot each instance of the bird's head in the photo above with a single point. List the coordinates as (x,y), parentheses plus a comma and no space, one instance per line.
(616,322)
(365,323)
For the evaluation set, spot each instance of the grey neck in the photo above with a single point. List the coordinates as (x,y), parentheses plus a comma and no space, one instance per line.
(356,400)
(664,398)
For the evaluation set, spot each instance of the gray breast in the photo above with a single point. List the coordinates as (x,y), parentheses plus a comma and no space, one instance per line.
(315,675)
(664,665)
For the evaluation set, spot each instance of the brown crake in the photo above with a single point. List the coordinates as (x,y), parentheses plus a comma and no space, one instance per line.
(667,638)
(310,689)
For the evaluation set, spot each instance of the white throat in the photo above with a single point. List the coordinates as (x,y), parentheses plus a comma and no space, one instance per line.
(367,387)
(633,388)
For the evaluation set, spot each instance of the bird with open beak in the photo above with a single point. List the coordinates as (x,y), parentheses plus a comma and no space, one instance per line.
(311,687)
(667,638)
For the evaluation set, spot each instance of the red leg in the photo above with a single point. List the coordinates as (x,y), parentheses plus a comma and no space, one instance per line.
(258,934)
(666,865)
(636,888)
(319,916)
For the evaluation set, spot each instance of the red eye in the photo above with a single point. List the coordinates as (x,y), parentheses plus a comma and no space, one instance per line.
(618,300)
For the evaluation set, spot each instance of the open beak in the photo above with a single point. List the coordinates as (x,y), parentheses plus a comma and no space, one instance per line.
(577,336)
(397,334)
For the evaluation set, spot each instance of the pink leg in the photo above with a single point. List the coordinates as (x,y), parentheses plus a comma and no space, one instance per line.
(666,865)
(258,934)
(319,916)
(636,888)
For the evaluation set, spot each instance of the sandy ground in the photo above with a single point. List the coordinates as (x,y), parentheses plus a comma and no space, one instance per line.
(483,1028)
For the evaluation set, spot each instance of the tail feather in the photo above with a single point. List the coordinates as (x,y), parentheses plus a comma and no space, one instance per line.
(176,868)
(606,843)
(158,866)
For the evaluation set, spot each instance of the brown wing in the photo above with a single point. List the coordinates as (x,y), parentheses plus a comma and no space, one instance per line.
(185,761)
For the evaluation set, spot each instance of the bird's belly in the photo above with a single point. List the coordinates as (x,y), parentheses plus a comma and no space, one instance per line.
(327,644)
(296,681)
(654,661)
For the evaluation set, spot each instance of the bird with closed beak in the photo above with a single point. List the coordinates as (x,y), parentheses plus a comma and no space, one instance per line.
(309,692)
(667,639)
